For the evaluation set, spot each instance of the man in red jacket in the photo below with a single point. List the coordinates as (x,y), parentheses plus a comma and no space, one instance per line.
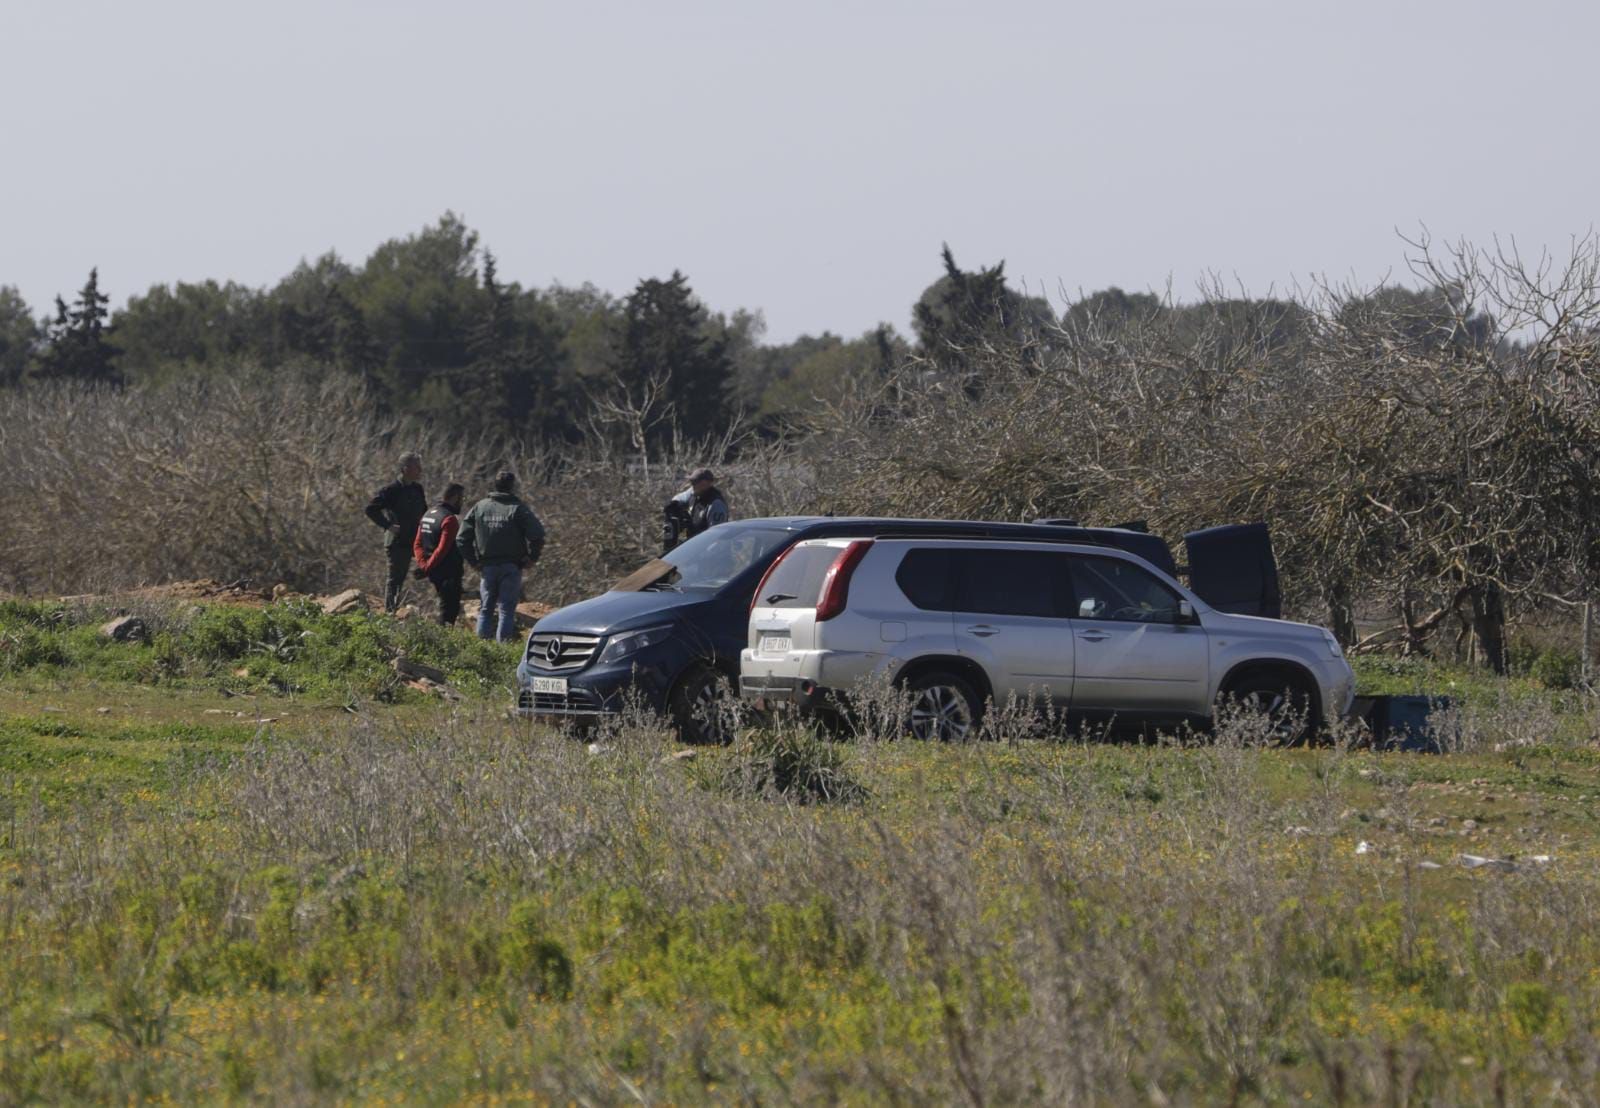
(438,557)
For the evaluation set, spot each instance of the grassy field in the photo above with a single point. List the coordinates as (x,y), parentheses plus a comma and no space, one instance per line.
(241,861)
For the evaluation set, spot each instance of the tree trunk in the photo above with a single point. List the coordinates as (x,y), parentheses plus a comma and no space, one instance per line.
(1341,614)
(1489,627)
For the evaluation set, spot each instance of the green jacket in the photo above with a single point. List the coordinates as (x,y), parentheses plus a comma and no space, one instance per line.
(500,529)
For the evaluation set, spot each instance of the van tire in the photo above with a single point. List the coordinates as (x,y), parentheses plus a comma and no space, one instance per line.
(698,706)
(942,706)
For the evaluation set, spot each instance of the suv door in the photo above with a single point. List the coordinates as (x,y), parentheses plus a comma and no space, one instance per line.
(1010,617)
(1137,657)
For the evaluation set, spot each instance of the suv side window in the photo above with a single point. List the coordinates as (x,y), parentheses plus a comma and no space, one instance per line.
(924,576)
(1109,588)
(1010,582)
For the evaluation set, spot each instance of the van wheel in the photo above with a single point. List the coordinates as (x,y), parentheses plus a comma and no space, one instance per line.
(701,706)
(943,707)
(1285,701)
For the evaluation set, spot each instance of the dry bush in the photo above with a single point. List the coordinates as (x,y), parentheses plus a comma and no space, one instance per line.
(265,479)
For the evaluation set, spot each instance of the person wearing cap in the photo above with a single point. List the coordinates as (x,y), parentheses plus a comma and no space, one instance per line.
(500,537)
(696,508)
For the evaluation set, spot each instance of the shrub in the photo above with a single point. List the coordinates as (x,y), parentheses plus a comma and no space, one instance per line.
(792,763)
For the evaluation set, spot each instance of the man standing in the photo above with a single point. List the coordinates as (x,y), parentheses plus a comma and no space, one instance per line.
(438,557)
(693,510)
(501,537)
(398,507)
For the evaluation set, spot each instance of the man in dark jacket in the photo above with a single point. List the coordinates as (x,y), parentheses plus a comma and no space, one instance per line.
(398,507)
(439,556)
(501,537)
(693,510)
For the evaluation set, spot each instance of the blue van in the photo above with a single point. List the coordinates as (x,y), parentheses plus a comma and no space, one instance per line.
(667,637)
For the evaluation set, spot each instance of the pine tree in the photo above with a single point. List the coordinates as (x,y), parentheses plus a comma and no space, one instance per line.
(77,346)
(662,339)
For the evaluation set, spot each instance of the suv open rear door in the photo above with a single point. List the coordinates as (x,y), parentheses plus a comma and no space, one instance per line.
(1232,569)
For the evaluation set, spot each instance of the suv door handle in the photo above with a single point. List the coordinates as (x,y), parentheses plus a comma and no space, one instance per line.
(1094,636)
(983,630)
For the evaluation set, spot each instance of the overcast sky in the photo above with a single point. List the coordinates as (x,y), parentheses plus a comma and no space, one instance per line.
(804,159)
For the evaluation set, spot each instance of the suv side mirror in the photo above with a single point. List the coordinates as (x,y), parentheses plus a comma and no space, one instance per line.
(1185,612)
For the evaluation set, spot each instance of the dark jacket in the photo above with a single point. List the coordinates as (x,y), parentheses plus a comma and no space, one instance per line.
(500,528)
(436,551)
(398,502)
(686,515)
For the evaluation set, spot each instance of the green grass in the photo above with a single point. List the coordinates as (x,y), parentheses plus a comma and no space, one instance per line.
(420,900)
(289,649)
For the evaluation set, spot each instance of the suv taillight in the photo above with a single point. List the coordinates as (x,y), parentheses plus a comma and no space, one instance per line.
(836,584)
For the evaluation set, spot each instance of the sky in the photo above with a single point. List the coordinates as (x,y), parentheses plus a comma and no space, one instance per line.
(807,160)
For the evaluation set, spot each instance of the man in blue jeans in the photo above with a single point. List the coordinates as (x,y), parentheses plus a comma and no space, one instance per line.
(500,537)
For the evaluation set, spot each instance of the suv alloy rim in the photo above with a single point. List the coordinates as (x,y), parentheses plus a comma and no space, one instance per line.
(941,712)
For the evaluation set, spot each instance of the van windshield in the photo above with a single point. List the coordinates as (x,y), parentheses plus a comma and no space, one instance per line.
(716,556)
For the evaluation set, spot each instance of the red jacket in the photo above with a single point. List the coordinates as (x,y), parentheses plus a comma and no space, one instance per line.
(447,543)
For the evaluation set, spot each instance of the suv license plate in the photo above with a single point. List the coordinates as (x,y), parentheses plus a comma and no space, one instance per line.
(775,644)
(550,685)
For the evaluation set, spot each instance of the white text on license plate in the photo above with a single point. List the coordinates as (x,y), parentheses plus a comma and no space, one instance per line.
(550,685)
(774,644)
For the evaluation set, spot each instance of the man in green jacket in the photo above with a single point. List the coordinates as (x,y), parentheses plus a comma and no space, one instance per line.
(500,537)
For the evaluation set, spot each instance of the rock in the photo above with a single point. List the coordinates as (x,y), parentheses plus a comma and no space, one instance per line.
(1469,825)
(1294,832)
(407,668)
(1436,821)
(680,755)
(405,611)
(1363,847)
(347,601)
(280,591)
(103,711)
(1429,865)
(126,629)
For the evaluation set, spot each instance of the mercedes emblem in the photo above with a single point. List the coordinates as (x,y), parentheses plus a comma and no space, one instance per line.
(552,651)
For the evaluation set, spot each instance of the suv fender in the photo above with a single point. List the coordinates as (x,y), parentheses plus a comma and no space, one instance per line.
(1291,671)
(949,663)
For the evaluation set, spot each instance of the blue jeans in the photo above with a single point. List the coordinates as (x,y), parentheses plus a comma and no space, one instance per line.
(500,586)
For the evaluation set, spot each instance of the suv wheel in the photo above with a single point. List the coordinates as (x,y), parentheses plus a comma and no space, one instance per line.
(943,707)
(1285,702)
(700,707)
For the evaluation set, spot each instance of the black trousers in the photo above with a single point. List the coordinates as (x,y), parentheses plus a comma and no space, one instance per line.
(399,565)
(449,590)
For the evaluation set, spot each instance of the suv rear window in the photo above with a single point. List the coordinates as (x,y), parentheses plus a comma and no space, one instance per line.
(797,580)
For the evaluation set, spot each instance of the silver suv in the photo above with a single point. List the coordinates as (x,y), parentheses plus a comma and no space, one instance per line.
(1094,632)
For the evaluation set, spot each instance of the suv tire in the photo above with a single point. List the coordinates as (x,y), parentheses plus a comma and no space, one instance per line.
(1285,701)
(942,706)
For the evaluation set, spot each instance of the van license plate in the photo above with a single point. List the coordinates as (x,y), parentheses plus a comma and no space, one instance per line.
(775,644)
(550,685)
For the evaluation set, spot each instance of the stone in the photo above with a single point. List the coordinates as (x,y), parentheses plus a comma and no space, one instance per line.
(1469,825)
(347,601)
(126,629)
(680,755)
(407,668)
(280,591)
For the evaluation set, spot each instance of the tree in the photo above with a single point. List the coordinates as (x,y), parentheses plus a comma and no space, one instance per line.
(187,327)
(964,312)
(662,350)
(76,345)
(510,384)
(19,336)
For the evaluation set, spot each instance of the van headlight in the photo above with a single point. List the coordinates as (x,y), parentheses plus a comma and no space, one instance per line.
(1334,648)
(631,642)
